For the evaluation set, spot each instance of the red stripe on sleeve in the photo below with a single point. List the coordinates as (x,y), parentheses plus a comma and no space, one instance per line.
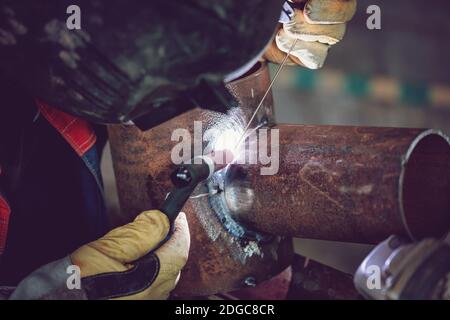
(77,132)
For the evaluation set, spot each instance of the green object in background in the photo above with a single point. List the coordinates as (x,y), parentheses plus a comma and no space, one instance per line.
(415,94)
(306,79)
(362,86)
(357,85)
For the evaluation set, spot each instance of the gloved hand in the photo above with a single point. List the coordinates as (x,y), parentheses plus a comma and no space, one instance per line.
(118,266)
(317,24)
(118,249)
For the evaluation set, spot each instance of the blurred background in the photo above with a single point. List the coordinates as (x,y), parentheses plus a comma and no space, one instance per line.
(397,76)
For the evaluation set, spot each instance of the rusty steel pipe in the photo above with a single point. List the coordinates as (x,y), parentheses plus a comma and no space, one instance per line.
(336,183)
(219,261)
(342,183)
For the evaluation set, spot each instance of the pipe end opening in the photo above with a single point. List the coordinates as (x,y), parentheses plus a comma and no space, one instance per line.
(425,186)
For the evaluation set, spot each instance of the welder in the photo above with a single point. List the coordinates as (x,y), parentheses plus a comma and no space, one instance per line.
(135,62)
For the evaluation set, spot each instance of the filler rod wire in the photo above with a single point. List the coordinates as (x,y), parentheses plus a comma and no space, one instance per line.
(265,94)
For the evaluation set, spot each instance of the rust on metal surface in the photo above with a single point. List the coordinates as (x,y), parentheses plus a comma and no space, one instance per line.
(305,279)
(343,183)
(276,288)
(337,183)
(218,260)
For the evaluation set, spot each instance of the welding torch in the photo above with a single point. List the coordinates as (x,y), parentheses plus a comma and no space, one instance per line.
(187,177)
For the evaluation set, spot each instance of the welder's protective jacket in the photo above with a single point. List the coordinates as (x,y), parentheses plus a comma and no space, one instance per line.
(51,193)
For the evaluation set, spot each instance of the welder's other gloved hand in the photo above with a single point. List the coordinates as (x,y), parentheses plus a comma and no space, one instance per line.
(317,24)
(118,265)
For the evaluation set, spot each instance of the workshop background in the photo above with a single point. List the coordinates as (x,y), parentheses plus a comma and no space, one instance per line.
(397,76)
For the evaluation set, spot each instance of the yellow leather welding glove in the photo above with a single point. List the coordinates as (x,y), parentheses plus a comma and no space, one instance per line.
(317,25)
(141,260)
(116,254)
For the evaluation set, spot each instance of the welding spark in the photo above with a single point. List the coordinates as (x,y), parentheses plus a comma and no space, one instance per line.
(227,140)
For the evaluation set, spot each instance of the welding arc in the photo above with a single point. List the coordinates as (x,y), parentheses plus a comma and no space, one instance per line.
(242,137)
(244,133)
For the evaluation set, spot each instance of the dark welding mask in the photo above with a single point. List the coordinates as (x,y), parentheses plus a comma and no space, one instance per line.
(144,61)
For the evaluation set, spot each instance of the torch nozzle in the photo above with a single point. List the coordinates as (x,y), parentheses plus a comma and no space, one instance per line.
(189,175)
(201,168)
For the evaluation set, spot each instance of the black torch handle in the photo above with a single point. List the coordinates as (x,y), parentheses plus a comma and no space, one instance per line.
(185,179)
(175,201)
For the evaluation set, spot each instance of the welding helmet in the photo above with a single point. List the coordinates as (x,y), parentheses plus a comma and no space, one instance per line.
(134,60)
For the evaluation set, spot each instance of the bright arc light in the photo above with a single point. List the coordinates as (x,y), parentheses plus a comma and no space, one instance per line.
(227,140)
